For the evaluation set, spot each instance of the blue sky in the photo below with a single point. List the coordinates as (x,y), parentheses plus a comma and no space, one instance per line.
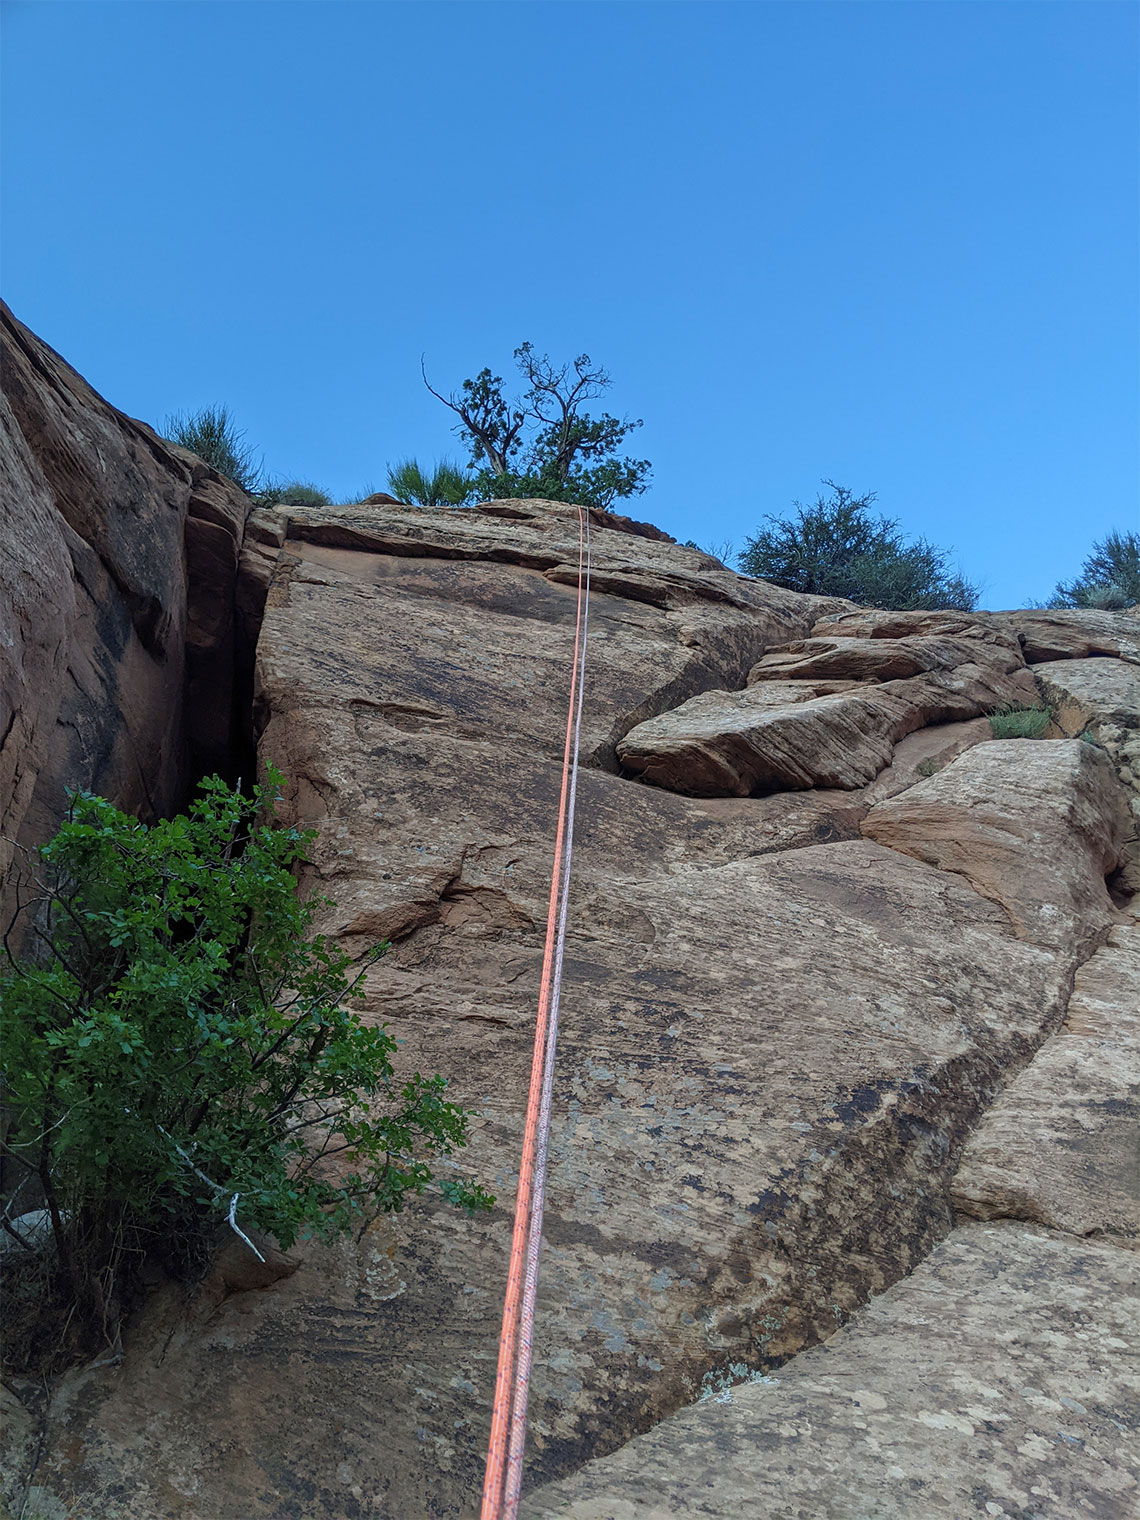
(891,244)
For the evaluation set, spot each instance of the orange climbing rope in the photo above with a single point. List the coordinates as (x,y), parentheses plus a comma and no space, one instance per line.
(503,1479)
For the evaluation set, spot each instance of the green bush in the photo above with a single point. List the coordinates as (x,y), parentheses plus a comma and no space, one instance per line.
(182,1054)
(1020,722)
(837,547)
(1109,578)
(297,493)
(213,436)
(447,485)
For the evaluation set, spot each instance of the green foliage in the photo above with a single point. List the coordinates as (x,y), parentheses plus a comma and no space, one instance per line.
(447,485)
(183,1052)
(1015,722)
(1109,578)
(296,493)
(213,436)
(837,547)
(927,767)
(543,443)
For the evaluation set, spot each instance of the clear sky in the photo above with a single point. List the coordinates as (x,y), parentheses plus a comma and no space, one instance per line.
(891,244)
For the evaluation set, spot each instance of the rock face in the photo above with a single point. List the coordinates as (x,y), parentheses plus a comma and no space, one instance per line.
(1061,1146)
(777,1032)
(989,1383)
(1032,825)
(118,557)
(807,1021)
(828,711)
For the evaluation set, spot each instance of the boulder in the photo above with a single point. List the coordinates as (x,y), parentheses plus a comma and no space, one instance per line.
(1073,634)
(780,735)
(1034,825)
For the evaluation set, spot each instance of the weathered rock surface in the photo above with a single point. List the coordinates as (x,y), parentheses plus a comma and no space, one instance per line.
(1000,1379)
(776,1033)
(1073,635)
(774,737)
(881,658)
(1034,825)
(118,557)
(1100,699)
(1061,1146)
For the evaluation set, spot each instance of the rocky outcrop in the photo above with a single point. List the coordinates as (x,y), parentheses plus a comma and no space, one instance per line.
(1061,1146)
(119,555)
(777,1033)
(827,711)
(1073,634)
(787,1018)
(1032,825)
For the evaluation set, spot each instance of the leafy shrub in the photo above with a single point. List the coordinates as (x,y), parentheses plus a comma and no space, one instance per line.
(1015,722)
(181,1053)
(837,547)
(928,767)
(298,493)
(447,485)
(1109,578)
(213,436)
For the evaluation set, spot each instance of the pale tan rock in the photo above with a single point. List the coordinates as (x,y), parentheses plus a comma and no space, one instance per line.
(1034,825)
(1064,634)
(1100,700)
(1061,1146)
(881,658)
(999,1379)
(782,735)
(878,623)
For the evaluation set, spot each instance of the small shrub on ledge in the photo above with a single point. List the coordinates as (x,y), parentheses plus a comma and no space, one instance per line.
(182,1058)
(1020,722)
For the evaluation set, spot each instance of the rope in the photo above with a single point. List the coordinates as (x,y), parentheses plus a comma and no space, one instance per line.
(503,1480)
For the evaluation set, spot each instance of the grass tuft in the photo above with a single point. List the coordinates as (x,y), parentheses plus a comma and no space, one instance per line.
(1015,722)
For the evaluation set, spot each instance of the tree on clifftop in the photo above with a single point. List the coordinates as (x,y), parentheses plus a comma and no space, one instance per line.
(544,443)
(838,547)
(1109,578)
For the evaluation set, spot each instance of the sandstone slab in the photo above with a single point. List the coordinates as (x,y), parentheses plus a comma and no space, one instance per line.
(1099,699)
(782,735)
(882,659)
(1061,1146)
(1073,634)
(1034,825)
(1001,1379)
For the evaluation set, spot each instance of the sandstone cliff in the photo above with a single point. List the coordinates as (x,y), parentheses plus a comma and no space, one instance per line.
(820,987)
(118,558)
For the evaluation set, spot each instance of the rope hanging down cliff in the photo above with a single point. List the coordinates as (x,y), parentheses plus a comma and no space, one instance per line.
(503,1480)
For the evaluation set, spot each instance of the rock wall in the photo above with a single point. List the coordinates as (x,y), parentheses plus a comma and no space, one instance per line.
(785,1011)
(118,558)
(825,933)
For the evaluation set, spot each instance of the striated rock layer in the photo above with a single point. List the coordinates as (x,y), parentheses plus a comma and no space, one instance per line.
(777,1033)
(118,561)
